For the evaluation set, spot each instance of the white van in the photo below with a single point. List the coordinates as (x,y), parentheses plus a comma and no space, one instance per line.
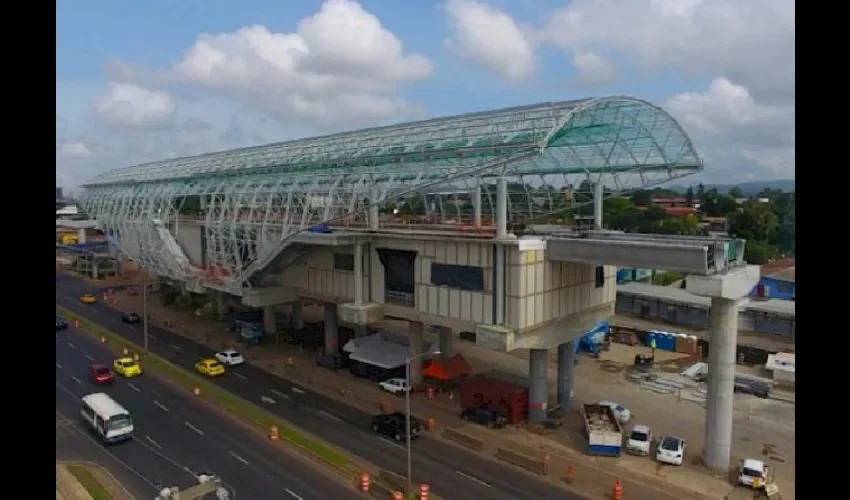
(108,419)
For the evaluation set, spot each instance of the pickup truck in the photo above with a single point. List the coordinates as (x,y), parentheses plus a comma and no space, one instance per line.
(604,434)
(395,385)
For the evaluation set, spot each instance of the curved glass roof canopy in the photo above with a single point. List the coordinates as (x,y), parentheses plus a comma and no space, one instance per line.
(253,200)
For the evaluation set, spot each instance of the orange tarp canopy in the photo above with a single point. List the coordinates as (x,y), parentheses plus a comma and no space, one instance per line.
(451,368)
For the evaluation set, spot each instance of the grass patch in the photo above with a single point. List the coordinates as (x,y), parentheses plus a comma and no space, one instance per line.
(215,394)
(87,479)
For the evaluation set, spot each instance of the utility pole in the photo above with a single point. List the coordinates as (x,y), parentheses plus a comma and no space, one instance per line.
(145,313)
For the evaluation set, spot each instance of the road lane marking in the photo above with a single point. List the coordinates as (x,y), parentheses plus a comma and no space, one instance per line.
(284,396)
(237,457)
(176,347)
(199,431)
(151,336)
(239,375)
(293,494)
(160,405)
(58,366)
(72,346)
(297,390)
(393,443)
(266,399)
(75,379)
(151,441)
(329,415)
(133,386)
(89,358)
(473,478)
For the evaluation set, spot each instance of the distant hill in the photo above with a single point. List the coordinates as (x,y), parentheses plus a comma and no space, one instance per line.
(749,188)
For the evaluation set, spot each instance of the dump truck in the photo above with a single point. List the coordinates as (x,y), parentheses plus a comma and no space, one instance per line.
(604,434)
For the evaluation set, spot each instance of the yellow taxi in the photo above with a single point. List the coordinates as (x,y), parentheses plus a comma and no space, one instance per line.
(127,367)
(209,367)
(87,298)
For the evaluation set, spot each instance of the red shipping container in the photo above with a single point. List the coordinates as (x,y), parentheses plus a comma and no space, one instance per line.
(481,390)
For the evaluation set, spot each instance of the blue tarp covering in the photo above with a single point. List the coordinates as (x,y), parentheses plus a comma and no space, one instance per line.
(89,246)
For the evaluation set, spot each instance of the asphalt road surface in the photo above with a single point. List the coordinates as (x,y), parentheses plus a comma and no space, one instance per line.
(451,472)
(74,443)
(177,438)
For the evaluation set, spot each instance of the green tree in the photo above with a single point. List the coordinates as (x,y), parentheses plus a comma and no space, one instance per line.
(736,192)
(641,197)
(759,252)
(755,222)
(690,196)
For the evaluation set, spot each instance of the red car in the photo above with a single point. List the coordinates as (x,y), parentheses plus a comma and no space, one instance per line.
(101,374)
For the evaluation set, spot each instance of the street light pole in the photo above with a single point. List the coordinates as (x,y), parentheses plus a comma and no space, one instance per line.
(408,388)
(145,313)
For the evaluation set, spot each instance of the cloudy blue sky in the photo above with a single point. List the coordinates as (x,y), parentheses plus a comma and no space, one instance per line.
(139,81)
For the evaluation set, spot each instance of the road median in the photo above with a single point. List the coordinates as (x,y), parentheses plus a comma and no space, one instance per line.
(245,410)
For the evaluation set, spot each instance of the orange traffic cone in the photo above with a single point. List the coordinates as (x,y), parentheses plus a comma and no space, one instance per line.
(196,391)
(617,493)
(273,433)
(570,474)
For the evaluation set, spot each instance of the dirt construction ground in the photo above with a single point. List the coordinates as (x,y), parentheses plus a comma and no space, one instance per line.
(764,428)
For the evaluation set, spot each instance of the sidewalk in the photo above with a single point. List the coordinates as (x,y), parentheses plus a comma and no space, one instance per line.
(641,477)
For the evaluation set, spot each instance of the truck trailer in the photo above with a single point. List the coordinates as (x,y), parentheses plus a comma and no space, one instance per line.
(604,434)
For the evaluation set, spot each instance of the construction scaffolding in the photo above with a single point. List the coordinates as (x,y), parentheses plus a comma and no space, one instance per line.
(441,172)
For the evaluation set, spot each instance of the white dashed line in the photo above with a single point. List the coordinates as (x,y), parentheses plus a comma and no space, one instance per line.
(473,479)
(330,416)
(160,405)
(293,494)
(58,366)
(199,431)
(266,399)
(133,386)
(176,347)
(237,457)
(72,346)
(239,375)
(75,379)
(151,336)
(284,396)
(297,390)
(393,443)
(151,441)
(89,358)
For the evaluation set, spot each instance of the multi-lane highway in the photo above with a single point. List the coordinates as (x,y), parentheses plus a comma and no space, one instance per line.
(177,437)
(452,473)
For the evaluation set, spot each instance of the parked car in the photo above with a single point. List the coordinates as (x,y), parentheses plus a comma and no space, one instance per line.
(131,318)
(639,441)
(622,413)
(230,357)
(395,386)
(100,374)
(492,417)
(61,324)
(671,450)
(393,425)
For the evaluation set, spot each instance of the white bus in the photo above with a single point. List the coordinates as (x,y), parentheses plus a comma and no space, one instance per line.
(108,419)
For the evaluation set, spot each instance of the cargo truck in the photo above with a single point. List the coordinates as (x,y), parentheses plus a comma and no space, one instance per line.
(604,434)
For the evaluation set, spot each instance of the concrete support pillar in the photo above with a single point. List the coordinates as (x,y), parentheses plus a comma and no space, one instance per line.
(297,315)
(598,195)
(221,304)
(374,213)
(203,201)
(415,340)
(94,275)
(476,206)
(566,365)
(502,208)
(358,274)
(269,321)
(331,329)
(723,337)
(538,385)
(81,235)
(446,339)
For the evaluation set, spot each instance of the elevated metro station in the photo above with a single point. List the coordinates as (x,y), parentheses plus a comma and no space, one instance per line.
(454,224)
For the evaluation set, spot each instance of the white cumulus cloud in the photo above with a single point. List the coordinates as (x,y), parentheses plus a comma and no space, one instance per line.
(73,149)
(592,70)
(131,106)
(488,36)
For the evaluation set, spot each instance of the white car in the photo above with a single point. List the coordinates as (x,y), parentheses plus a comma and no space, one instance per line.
(229,357)
(671,450)
(621,413)
(395,385)
(639,441)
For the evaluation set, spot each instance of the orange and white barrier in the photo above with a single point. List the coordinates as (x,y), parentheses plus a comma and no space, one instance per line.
(196,391)
(273,433)
(364,482)
(424,491)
